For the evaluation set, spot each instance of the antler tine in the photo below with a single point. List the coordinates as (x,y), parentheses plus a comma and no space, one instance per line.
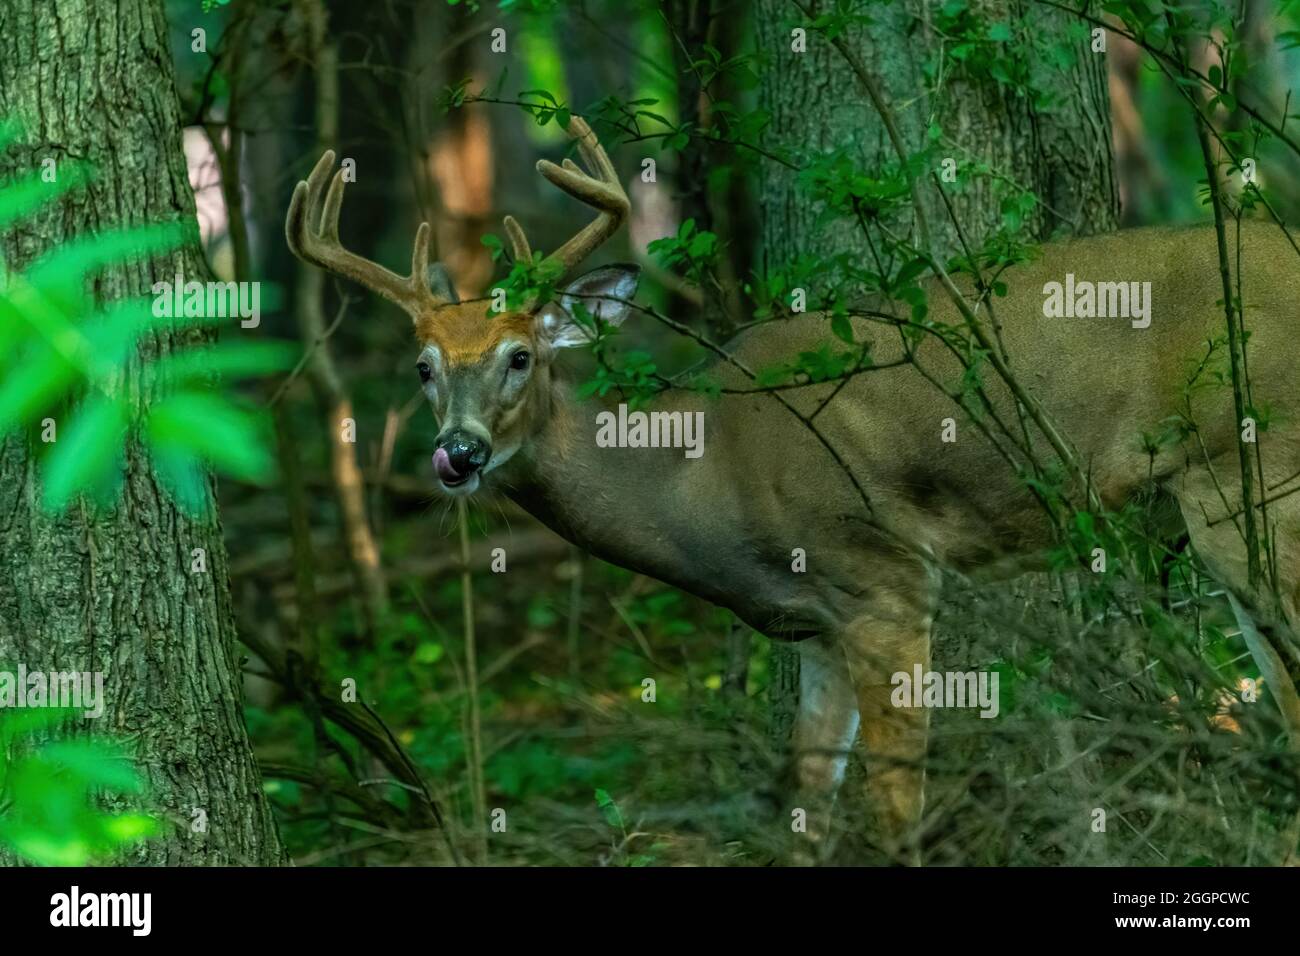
(599,189)
(301,206)
(519,247)
(333,206)
(312,230)
(591,150)
(319,174)
(420,258)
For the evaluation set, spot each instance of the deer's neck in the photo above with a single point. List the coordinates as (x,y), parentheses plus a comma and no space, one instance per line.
(611,501)
(653,511)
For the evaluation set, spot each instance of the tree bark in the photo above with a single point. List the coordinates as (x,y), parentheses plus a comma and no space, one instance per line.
(1060,150)
(112,590)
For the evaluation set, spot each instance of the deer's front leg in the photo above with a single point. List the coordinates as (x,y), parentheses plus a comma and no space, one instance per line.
(892,637)
(824,728)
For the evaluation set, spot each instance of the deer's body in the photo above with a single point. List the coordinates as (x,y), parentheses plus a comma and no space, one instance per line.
(723,526)
(726,525)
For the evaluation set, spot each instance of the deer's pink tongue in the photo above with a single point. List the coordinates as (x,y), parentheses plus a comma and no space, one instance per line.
(442,465)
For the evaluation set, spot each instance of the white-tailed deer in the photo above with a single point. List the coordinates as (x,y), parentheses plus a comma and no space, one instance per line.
(725,524)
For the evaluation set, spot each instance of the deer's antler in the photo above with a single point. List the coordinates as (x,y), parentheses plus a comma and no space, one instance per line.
(312,230)
(601,191)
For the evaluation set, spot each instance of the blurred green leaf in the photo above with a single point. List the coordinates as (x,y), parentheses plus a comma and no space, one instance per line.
(87,454)
(92,764)
(23,196)
(210,427)
(49,810)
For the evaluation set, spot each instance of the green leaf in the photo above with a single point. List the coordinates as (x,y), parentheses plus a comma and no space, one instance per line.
(910,270)
(43,848)
(656,117)
(69,263)
(1000,32)
(542,94)
(25,722)
(238,359)
(25,195)
(93,765)
(35,384)
(183,476)
(111,335)
(429,652)
(210,427)
(128,827)
(609,809)
(87,457)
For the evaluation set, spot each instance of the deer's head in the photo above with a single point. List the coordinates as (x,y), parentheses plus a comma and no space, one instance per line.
(487,376)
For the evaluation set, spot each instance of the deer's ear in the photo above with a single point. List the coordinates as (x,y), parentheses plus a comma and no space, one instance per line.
(605,291)
(440,283)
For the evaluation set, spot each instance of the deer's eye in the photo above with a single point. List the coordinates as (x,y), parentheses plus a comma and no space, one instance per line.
(424,370)
(519,361)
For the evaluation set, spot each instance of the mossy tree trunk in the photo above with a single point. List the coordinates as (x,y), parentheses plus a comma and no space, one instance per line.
(113,590)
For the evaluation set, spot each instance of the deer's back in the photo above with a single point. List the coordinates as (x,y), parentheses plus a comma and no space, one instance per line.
(1103,381)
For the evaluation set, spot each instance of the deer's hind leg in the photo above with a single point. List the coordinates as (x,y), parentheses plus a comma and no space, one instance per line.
(1209,502)
(1266,612)
(892,636)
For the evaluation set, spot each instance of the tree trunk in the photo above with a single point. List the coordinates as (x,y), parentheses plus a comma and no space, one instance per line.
(1060,149)
(113,590)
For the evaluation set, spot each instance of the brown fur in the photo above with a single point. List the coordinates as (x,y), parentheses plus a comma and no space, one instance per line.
(724,526)
(464,332)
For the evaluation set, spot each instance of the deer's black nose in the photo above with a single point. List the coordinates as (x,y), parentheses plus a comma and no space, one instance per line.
(466,453)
